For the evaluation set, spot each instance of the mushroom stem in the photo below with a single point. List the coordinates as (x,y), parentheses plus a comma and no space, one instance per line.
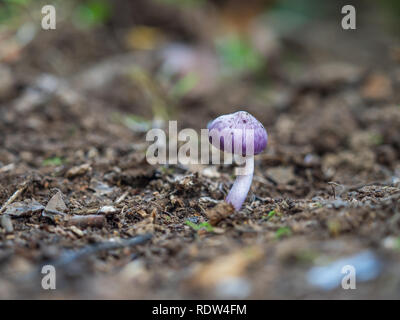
(241,187)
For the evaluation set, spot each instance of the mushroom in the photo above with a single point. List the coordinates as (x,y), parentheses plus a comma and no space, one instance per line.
(246,137)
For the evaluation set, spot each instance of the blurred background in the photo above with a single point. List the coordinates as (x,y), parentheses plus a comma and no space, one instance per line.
(76,102)
(150,61)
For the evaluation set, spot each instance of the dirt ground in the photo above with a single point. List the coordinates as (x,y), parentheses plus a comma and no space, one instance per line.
(327,187)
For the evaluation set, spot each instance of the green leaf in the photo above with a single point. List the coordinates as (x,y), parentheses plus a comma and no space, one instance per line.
(271,213)
(377,139)
(203,225)
(132,121)
(184,85)
(282,232)
(183,3)
(238,55)
(18,2)
(93,13)
(12,9)
(55,161)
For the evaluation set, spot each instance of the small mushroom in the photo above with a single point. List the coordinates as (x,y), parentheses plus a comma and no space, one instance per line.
(242,134)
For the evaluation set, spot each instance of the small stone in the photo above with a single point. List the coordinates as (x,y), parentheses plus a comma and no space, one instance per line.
(107,210)
(6,168)
(193,219)
(78,170)
(56,204)
(391,243)
(101,188)
(6,223)
(338,203)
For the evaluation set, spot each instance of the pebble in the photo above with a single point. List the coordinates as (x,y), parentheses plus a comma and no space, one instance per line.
(6,223)
(391,243)
(78,170)
(107,210)
(193,219)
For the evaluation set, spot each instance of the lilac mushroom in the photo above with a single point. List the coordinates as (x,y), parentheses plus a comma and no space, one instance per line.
(242,127)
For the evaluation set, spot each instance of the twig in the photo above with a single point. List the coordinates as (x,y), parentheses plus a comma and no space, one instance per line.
(70,256)
(122,198)
(13,197)
(90,220)
(333,185)
(349,188)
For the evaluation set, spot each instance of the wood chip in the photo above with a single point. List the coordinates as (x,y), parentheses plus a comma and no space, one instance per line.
(219,212)
(90,220)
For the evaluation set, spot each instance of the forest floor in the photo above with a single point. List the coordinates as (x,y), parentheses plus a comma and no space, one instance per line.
(326,188)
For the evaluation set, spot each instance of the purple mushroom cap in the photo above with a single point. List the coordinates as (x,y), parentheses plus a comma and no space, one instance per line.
(238,125)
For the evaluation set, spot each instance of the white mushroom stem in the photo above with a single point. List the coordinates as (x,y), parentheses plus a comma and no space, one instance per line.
(241,187)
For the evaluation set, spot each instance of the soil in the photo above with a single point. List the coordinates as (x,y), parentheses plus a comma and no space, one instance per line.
(327,186)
